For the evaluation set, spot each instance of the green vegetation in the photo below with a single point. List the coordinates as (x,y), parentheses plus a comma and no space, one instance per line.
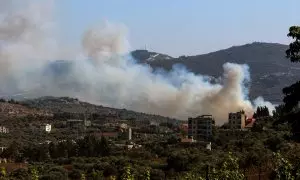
(269,150)
(291,93)
(161,157)
(261,112)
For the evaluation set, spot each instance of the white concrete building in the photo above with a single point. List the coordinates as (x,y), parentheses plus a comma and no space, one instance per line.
(4,130)
(129,134)
(48,128)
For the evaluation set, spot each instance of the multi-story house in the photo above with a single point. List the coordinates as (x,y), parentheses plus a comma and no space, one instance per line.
(237,120)
(200,128)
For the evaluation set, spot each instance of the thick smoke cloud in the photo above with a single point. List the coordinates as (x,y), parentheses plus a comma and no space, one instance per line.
(102,73)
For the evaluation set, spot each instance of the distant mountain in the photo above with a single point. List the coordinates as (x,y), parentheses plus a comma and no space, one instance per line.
(270,70)
(144,56)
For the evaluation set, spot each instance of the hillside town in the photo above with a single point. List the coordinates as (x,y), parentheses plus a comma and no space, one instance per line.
(159,90)
(123,133)
(54,128)
(192,130)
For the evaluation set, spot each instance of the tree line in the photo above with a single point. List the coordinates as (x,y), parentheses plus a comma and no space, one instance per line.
(89,146)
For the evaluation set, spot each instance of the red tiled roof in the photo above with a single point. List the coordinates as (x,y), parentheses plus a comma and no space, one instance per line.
(250,122)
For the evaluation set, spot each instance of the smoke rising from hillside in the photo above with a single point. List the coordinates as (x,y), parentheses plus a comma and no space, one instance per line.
(102,73)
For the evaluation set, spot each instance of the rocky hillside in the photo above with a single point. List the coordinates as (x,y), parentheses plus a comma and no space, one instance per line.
(144,56)
(270,70)
(13,109)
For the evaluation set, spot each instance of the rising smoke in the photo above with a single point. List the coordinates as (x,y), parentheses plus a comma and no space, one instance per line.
(102,73)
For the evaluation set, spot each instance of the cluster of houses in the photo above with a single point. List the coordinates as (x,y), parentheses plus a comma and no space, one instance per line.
(195,129)
(201,127)
(4,130)
(116,130)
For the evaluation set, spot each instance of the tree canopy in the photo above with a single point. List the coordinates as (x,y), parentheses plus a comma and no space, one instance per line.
(292,93)
(293,53)
(261,112)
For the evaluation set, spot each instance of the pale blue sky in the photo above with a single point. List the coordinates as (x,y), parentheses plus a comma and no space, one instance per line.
(184,27)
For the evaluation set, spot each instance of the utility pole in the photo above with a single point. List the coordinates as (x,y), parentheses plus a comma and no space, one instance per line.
(85,122)
(207,172)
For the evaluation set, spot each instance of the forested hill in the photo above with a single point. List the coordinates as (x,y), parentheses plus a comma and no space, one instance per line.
(73,105)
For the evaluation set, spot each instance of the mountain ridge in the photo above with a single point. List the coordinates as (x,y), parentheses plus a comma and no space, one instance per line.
(270,70)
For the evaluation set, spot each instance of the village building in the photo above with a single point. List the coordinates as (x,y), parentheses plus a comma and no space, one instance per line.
(47,128)
(237,120)
(4,130)
(240,121)
(200,128)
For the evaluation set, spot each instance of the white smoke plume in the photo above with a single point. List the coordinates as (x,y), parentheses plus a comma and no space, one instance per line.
(103,74)
(261,102)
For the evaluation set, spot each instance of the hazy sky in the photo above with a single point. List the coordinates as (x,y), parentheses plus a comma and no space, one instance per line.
(184,27)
